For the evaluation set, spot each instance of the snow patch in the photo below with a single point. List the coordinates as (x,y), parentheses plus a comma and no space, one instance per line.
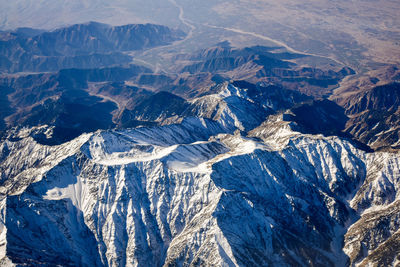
(121,158)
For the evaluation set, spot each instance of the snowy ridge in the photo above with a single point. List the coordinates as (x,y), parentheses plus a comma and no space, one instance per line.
(231,107)
(195,193)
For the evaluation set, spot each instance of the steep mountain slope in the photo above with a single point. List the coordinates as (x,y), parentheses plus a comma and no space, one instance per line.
(74,101)
(64,100)
(59,100)
(262,64)
(194,193)
(375,116)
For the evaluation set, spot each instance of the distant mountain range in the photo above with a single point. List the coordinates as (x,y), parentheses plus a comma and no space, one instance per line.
(88,45)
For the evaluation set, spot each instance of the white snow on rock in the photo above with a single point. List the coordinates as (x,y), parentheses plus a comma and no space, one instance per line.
(194,193)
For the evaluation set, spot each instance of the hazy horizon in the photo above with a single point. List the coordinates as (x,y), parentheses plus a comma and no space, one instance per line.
(356,33)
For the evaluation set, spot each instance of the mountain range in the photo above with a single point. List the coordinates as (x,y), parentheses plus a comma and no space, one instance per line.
(225,156)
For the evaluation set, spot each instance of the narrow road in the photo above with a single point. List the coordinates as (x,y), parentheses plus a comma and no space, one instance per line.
(263,37)
(279,43)
(183,20)
(157,67)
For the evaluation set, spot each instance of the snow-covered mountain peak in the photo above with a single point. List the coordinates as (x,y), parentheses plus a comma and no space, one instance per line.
(194,192)
(231,107)
(229,89)
(25,161)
